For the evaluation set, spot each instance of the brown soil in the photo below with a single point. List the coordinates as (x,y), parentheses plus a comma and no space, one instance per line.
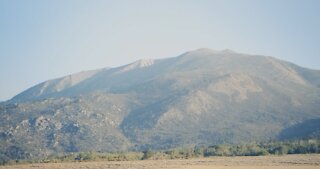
(262,162)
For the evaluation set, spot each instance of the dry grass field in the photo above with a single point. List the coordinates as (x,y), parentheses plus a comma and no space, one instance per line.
(260,162)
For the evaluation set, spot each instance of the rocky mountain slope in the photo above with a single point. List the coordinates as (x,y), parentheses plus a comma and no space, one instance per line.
(201,97)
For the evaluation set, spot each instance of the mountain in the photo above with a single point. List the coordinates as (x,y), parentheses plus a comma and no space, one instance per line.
(201,97)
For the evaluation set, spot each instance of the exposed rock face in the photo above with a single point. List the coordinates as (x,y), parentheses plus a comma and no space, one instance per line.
(202,97)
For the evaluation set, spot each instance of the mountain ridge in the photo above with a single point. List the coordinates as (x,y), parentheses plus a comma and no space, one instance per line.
(145,63)
(137,64)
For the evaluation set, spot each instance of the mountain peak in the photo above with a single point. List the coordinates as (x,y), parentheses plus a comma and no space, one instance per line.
(137,64)
(228,51)
(208,51)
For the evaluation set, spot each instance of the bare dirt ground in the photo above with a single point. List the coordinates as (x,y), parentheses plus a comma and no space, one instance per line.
(262,162)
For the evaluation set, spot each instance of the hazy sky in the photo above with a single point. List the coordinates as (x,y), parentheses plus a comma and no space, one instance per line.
(41,40)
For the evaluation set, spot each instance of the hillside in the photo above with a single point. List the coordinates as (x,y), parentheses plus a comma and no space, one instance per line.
(201,97)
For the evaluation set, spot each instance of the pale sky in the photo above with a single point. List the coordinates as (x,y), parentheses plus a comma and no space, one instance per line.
(42,39)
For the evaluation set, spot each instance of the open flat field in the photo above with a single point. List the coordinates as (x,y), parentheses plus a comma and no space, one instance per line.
(260,162)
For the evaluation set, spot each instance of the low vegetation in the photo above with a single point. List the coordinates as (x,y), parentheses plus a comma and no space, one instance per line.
(253,149)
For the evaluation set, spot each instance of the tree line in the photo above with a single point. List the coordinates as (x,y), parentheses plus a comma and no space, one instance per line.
(253,149)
